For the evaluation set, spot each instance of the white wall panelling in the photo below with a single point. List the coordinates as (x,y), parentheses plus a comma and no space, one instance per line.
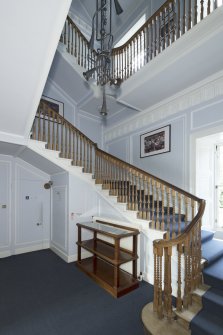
(21,232)
(120,148)
(32,207)
(59,217)
(5,205)
(54,91)
(91,126)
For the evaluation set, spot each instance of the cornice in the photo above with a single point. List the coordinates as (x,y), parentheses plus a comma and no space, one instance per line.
(208,89)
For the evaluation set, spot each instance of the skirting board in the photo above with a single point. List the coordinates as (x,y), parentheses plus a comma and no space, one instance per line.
(22,250)
(5,253)
(68,258)
(34,247)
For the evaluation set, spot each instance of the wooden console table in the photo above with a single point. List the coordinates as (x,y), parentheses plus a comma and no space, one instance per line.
(104,264)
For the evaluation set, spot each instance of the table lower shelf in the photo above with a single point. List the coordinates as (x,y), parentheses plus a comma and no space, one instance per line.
(103,273)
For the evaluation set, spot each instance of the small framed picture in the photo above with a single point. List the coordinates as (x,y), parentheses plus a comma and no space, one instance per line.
(55,105)
(155,142)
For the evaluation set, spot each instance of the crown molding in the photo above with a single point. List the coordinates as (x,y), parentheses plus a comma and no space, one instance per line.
(208,89)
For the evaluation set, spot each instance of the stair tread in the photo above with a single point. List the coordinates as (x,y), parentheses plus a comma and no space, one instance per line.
(213,301)
(188,314)
(207,324)
(206,235)
(212,250)
(213,274)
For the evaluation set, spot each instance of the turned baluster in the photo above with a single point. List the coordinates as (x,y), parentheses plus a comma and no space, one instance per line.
(75,43)
(79,49)
(162,207)
(153,204)
(195,12)
(202,9)
(168,212)
(178,21)
(68,36)
(174,228)
(49,137)
(179,301)
(184,17)
(39,124)
(179,201)
(167,283)
(189,16)
(208,7)
(158,300)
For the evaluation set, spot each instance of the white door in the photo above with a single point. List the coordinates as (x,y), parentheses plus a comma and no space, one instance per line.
(31,225)
(59,217)
(205,178)
(219,186)
(5,187)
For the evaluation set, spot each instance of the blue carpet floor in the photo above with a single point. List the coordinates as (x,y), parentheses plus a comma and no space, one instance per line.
(210,320)
(43,295)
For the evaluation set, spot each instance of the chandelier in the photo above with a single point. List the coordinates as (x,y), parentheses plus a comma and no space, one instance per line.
(102,35)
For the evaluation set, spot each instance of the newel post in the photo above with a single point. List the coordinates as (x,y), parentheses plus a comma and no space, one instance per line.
(167,282)
(157,299)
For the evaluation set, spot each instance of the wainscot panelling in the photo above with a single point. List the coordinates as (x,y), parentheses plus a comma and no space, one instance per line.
(207,116)
(5,205)
(120,148)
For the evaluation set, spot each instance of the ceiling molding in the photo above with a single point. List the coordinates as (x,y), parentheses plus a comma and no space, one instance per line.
(208,89)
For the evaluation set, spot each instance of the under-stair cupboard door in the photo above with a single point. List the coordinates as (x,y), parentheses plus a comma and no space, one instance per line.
(59,218)
(5,196)
(32,222)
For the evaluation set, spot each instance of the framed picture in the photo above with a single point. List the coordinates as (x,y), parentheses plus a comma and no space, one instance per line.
(56,105)
(155,142)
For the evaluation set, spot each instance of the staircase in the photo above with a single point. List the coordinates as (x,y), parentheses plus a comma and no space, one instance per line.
(147,201)
(170,216)
(204,315)
(210,319)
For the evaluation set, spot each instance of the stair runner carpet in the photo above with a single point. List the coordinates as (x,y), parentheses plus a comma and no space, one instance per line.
(209,321)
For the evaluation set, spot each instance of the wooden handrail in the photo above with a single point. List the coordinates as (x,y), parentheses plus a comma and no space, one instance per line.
(181,238)
(192,196)
(149,21)
(167,207)
(164,27)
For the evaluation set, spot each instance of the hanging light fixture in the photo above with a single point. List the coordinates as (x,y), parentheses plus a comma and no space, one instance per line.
(102,33)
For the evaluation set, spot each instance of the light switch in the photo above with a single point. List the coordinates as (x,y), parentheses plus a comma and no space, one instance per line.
(4,206)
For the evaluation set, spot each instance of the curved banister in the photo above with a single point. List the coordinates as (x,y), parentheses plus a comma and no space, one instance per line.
(180,238)
(167,207)
(148,22)
(173,19)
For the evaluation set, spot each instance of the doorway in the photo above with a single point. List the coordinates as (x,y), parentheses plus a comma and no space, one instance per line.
(209,178)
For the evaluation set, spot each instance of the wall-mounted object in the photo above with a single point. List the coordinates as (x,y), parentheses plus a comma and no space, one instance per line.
(155,142)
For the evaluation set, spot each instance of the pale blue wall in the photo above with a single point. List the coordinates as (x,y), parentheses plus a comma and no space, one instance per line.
(175,165)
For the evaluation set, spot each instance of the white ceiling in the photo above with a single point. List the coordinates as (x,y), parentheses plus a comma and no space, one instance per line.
(191,59)
(29,33)
(30,157)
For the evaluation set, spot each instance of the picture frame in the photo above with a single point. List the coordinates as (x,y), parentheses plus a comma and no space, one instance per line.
(155,142)
(56,105)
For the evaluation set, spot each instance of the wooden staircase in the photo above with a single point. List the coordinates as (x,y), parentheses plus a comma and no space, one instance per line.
(165,207)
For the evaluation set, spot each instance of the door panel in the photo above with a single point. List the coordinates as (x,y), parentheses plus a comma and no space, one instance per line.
(30,228)
(219,187)
(5,185)
(59,219)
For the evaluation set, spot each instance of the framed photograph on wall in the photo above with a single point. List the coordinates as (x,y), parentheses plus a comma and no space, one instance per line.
(56,105)
(155,142)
